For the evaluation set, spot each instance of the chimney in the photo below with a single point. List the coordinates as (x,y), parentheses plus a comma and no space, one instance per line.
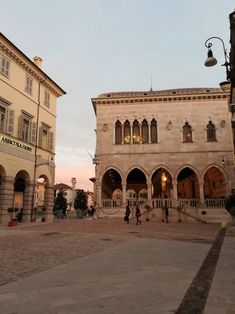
(38,61)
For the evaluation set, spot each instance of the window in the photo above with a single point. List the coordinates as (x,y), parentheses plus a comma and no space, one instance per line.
(145,132)
(118,133)
(4,66)
(6,117)
(2,118)
(136,132)
(187,133)
(27,128)
(29,84)
(211,132)
(127,132)
(46,137)
(47,98)
(153,129)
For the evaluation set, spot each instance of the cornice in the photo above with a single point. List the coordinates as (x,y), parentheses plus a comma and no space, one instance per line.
(28,68)
(161,99)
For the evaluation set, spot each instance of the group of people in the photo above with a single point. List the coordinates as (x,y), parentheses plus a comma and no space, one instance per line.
(138,214)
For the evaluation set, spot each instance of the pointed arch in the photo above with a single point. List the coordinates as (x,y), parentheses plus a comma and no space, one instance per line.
(187,133)
(153,131)
(145,131)
(210,132)
(118,132)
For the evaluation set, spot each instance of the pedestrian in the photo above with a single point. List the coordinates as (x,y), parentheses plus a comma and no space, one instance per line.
(64,212)
(137,215)
(127,214)
(166,213)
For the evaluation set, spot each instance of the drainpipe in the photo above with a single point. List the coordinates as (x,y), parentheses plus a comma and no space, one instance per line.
(36,149)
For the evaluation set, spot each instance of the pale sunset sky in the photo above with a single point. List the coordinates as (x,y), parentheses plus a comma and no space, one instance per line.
(90,47)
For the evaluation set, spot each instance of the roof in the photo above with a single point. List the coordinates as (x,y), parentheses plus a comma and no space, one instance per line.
(62,186)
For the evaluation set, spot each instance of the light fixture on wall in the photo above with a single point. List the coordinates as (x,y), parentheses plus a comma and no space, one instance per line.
(169,125)
(225,162)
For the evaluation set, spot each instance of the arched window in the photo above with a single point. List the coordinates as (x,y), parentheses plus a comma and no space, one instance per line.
(145,131)
(136,132)
(118,133)
(210,132)
(187,133)
(153,131)
(127,132)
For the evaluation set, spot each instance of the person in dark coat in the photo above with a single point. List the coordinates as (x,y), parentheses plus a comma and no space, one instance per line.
(137,215)
(166,213)
(127,214)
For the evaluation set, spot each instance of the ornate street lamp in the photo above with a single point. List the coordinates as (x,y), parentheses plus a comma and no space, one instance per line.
(211,60)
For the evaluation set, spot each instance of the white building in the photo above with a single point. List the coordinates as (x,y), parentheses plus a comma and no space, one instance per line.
(174,145)
(28,100)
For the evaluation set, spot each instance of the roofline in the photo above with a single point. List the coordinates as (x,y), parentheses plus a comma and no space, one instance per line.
(32,63)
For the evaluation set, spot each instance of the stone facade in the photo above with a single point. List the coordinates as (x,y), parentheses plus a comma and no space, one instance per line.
(182,134)
(27,131)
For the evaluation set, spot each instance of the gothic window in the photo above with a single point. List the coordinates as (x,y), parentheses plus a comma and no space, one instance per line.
(127,132)
(145,132)
(118,133)
(153,131)
(187,133)
(210,132)
(136,132)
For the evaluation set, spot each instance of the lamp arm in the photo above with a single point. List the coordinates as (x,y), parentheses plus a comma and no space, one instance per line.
(209,45)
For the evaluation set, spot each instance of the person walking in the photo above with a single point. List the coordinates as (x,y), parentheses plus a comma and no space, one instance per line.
(137,215)
(127,214)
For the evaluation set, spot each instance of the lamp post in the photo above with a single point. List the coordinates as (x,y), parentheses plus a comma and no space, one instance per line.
(211,60)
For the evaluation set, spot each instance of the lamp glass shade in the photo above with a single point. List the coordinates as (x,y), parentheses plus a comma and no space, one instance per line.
(210,62)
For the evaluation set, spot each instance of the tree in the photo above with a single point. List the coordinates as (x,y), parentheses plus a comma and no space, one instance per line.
(80,201)
(60,202)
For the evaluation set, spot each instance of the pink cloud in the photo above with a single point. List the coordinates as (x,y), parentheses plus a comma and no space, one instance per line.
(63,174)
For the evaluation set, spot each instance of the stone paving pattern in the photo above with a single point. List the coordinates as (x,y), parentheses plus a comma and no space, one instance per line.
(106,266)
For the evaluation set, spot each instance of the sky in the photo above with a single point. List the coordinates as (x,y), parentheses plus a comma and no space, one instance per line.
(90,47)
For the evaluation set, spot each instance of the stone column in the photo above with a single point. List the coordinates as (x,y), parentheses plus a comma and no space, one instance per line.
(122,128)
(124,196)
(99,200)
(6,199)
(149,185)
(28,201)
(48,203)
(174,192)
(201,193)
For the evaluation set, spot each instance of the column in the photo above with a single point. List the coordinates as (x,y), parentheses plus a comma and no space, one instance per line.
(149,129)
(6,198)
(122,128)
(49,202)
(149,189)
(201,193)
(28,201)
(174,192)
(99,200)
(123,195)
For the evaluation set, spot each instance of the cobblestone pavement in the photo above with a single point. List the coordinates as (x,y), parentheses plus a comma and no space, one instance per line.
(32,248)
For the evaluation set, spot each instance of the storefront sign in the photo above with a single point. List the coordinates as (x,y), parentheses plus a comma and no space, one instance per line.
(15,143)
